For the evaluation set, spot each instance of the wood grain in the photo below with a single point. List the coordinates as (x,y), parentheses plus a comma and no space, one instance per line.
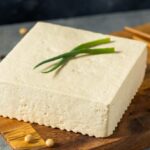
(132,133)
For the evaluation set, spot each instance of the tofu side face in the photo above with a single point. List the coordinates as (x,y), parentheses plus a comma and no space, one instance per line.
(88,83)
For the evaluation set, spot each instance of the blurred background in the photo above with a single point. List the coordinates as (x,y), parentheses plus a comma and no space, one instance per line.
(14,11)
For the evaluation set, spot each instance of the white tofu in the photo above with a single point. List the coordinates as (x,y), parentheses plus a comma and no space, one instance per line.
(89,95)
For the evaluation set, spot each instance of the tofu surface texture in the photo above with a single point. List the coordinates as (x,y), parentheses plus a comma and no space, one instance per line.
(88,95)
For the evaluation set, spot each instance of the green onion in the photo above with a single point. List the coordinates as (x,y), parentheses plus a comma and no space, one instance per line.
(85,48)
(93,43)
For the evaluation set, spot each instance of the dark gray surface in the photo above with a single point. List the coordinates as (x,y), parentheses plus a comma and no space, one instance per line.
(29,10)
(9,35)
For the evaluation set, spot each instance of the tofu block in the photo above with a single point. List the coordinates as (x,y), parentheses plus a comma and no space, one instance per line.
(89,95)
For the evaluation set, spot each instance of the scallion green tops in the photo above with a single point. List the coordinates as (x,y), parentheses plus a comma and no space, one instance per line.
(85,48)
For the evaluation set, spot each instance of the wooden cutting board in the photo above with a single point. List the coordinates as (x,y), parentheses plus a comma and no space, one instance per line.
(133,132)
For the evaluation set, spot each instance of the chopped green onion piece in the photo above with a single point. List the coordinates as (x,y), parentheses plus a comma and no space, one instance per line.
(85,48)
